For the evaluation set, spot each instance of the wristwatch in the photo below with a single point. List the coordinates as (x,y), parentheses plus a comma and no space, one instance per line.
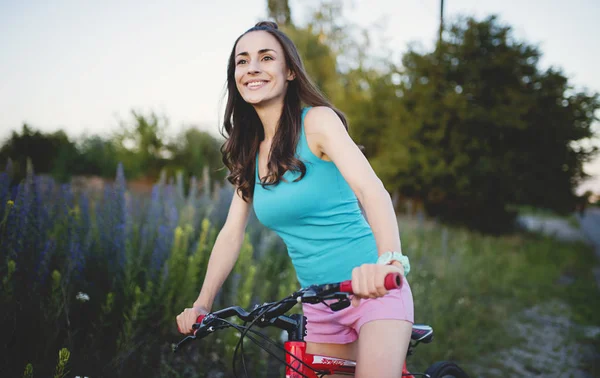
(388,257)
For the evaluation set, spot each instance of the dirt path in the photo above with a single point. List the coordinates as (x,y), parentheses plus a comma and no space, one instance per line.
(590,226)
(551,348)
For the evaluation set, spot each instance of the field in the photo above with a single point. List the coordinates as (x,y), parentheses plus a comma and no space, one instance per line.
(103,273)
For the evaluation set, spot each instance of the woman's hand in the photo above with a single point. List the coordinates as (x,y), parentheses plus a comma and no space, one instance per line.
(368,280)
(188,317)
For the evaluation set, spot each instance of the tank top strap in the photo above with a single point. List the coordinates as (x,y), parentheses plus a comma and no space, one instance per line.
(302,149)
(303,140)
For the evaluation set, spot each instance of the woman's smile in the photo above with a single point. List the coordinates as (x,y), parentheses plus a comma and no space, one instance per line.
(256,84)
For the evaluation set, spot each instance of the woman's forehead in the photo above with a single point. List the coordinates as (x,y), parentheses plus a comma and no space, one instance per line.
(257,40)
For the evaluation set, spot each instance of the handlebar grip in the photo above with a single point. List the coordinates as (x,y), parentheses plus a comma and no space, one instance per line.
(196,326)
(392,281)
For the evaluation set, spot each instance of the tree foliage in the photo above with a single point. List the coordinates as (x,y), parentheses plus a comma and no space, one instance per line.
(469,128)
(51,153)
(142,145)
(481,126)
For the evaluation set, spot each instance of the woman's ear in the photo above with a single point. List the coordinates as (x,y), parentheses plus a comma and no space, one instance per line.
(291,75)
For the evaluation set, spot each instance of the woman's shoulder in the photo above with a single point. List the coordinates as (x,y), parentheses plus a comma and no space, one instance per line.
(319,119)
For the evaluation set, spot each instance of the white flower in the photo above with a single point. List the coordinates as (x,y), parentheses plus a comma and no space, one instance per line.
(82,297)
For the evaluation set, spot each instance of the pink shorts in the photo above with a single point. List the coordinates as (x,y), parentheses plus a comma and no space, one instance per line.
(342,327)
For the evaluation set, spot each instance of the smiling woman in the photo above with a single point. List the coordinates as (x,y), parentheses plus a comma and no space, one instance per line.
(264,70)
(292,160)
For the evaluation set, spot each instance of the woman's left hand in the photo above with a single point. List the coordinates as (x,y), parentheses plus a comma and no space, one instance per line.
(368,280)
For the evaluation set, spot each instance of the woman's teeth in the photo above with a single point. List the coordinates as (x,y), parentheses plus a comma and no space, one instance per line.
(256,84)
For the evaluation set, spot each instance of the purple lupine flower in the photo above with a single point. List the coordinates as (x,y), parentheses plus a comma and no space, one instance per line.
(8,243)
(112,224)
(4,190)
(41,200)
(37,213)
(85,225)
(144,237)
(22,206)
(172,214)
(155,208)
(162,246)
(120,214)
(76,260)
(120,183)
(43,262)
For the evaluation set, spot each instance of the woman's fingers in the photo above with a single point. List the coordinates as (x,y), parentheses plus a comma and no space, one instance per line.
(186,320)
(368,280)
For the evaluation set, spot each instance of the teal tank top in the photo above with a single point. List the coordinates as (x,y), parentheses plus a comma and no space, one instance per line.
(318,218)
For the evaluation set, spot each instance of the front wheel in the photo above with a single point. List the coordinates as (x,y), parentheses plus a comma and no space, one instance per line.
(445,369)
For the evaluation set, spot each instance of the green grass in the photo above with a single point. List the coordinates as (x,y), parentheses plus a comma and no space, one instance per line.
(466,285)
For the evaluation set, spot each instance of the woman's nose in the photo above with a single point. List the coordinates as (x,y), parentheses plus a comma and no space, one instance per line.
(254,66)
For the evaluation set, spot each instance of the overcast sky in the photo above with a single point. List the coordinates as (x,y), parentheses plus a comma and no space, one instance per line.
(83,65)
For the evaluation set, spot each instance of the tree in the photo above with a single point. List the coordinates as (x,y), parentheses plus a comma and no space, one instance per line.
(193,150)
(279,10)
(481,127)
(51,153)
(140,145)
(98,157)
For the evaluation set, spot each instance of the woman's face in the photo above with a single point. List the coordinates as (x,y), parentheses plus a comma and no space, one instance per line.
(261,75)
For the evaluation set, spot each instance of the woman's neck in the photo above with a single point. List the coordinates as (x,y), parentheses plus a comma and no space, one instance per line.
(269,117)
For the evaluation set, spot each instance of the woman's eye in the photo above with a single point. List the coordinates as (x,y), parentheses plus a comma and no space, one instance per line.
(241,61)
(267,57)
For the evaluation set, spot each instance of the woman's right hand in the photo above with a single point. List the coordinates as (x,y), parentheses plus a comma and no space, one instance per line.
(188,317)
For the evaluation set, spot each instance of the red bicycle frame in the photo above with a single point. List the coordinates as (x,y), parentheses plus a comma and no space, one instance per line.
(332,365)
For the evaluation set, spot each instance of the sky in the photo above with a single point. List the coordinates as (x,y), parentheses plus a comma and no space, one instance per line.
(83,66)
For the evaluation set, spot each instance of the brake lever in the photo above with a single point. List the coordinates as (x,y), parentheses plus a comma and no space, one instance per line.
(196,327)
(175,347)
(340,305)
(343,299)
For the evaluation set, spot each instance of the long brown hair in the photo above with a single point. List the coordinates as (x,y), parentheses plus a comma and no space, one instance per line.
(243,129)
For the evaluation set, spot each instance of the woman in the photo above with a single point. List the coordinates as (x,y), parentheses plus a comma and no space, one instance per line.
(304,176)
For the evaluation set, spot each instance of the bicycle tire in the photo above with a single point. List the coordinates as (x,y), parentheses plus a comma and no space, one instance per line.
(446,369)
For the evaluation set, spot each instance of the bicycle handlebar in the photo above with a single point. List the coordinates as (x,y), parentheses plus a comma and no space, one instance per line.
(312,294)
(274,313)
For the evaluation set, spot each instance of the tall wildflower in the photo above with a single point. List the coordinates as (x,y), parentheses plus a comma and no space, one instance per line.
(72,235)
(61,366)
(28,371)
(43,263)
(7,284)
(178,264)
(112,223)
(161,249)
(4,190)
(198,259)
(28,237)
(44,187)
(120,216)
(5,229)
(85,225)
(244,272)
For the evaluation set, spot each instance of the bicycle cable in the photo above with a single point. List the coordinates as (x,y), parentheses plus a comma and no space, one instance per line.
(243,334)
(248,329)
(271,353)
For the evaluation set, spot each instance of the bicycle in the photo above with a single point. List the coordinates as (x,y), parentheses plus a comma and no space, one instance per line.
(298,362)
